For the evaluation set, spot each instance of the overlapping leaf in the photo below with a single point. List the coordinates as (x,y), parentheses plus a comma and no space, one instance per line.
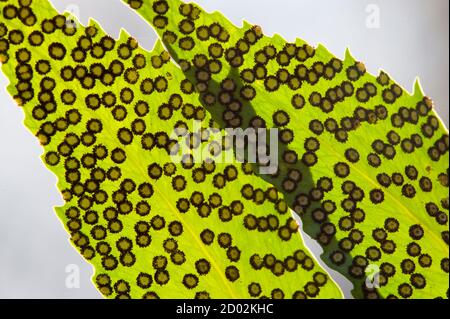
(104,110)
(363,162)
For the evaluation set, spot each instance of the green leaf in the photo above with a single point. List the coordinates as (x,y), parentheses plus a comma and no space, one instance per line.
(104,111)
(373,158)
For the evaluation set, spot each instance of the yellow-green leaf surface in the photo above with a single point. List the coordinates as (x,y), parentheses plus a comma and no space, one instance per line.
(104,109)
(363,162)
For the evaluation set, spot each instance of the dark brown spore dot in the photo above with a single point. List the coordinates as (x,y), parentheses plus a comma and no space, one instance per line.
(341,170)
(408,191)
(207,236)
(416,232)
(232,273)
(405,290)
(413,249)
(418,281)
(377,196)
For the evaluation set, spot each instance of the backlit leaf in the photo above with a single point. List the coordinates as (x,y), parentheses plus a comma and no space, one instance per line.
(363,162)
(104,111)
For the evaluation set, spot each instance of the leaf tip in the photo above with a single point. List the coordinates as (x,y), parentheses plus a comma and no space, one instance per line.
(246,24)
(158,47)
(348,56)
(300,42)
(123,34)
(323,51)
(417,89)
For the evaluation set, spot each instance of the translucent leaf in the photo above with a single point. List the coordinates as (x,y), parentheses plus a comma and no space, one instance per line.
(104,110)
(363,162)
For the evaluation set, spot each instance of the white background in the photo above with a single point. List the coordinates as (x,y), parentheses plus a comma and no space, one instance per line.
(34,251)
